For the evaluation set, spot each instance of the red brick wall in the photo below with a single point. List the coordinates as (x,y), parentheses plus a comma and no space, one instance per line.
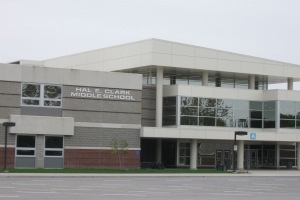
(98,159)
(10,159)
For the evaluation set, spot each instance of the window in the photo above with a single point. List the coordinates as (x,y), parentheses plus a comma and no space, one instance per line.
(184,153)
(25,146)
(54,146)
(41,95)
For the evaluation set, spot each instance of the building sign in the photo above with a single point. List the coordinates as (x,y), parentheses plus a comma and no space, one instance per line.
(235,147)
(252,136)
(100,93)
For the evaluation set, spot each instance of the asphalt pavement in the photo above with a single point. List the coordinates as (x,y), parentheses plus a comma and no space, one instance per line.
(251,173)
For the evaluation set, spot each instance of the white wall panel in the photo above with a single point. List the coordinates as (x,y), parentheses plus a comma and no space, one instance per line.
(184,90)
(190,134)
(42,74)
(183,61)
(293,95)
(79,59)
(10,72)
(166,133)
(206,63)
(223,133)
(229,66)
(291,71)
(131,49)
(286,137)
(95,56)
(205,91)
(147,46)
(63,62)
(252,59)
(206,53)
(111,65)
(146,59)
(161,59)
(226,93)
(229,56)
(252,95)
(162,47)
(273,70)
(113,53)
(252,68)
(129,62)
(40,125)
(97,66)
(183,50)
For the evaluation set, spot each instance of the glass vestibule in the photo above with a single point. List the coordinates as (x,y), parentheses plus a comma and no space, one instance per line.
(259,156)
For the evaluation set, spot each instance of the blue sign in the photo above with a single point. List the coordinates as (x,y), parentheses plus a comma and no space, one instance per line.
(252,136)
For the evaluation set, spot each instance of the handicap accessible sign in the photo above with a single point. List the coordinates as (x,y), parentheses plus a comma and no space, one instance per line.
(252,136)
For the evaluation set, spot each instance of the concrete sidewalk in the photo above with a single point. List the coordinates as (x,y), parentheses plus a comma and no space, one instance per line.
(251,173)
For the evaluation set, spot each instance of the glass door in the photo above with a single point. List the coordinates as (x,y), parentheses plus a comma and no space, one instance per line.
(246,160)
(219,157)
(253,159)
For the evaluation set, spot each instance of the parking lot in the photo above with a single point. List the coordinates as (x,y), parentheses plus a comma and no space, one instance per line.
(150,188)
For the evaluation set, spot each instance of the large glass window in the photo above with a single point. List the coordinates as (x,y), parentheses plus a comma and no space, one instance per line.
(149,78)
(54,146)
(236,113)
(288,111)
(269,114)
(25,146)
(287,154)
(41,95)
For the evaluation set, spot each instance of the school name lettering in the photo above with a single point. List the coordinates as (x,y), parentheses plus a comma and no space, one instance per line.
(102,93)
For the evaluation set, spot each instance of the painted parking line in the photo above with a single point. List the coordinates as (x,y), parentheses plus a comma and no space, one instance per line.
(97,186)
(234,194)
(138,195)
(28,192)
(1,196)
(47,180)
(149,192)
(26,184)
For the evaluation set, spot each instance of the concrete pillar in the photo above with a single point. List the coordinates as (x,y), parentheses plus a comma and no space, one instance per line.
(290,84)
(159,95)
(298,155)
(204,78)
(158,150)
(252,82)
(277,156)
(240,154)
(193,154)
(39,153)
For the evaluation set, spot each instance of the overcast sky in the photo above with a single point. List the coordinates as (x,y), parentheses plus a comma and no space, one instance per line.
(43,29)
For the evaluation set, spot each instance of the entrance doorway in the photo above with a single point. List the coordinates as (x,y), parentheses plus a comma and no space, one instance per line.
(253,159)
(223,157)
(259,156)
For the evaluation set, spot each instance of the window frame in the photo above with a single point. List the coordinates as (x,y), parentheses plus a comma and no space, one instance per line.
(54,149)
(41,99)
(25,148)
